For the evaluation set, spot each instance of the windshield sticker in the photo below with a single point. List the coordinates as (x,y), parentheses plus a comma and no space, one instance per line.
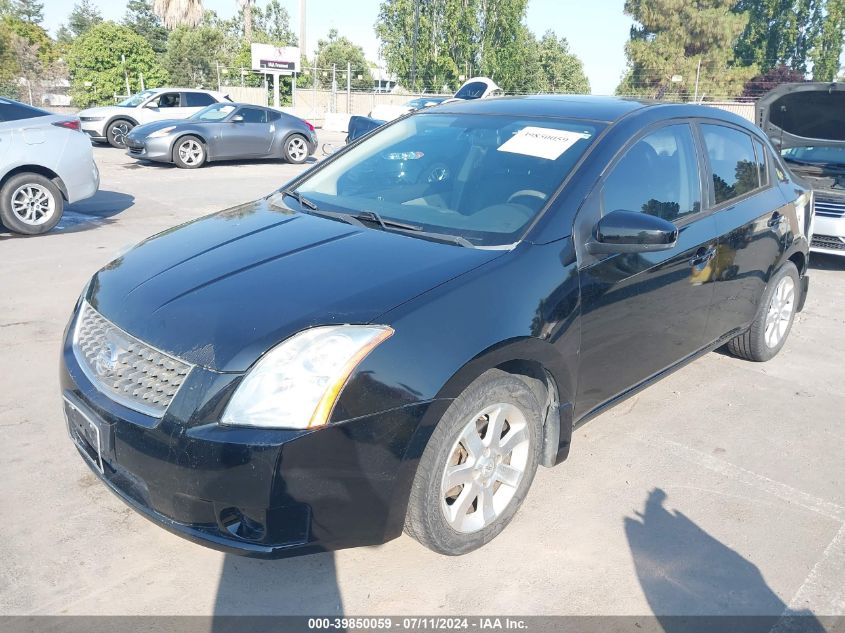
(542,142)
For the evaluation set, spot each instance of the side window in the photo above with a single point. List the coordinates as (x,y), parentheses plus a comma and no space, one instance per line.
(14,111)
(253,115)
(169,100)
(732,161)
(761,153)
(658,175)
(198,99)
(273,116)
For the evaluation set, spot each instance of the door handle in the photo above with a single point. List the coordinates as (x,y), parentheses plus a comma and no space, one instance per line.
(702,256)
(776,220)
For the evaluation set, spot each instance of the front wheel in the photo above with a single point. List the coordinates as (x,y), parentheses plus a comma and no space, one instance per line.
(477,467)
(773,321)
(117,131)
(189,153)
(296,149)
(30,204)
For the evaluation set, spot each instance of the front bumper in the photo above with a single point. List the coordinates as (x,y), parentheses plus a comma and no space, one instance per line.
(828,235)
(96,130)
(254,492)
(156,149)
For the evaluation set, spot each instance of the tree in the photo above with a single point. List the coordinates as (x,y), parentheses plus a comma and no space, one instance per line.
(83,16)
(560,70)
(828,46)
(179,12)
(505,44)
(35,35)
(761,84)
(685,41)
(339,51)
(96,64)
(30,11)
(247,13)
(274,25)
(192,54)
(141,19)
(778,32)
(7,62)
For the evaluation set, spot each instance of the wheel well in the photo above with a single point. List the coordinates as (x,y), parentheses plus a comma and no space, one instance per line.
(545,390)
(181,136)
(120,117)
(41,171)
(800,260)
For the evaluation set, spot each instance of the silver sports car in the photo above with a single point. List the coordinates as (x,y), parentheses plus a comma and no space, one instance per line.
(224,131)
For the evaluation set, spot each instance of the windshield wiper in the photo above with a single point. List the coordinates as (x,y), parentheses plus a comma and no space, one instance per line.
(302,200)
(413,229)
(835,167)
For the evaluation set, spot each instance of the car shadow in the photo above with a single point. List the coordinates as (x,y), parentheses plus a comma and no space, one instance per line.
(245,162)
(693,582)
(823,261)
(86,214)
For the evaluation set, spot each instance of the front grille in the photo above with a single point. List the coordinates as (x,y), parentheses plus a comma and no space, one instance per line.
(130,372)
(829,207)
(828,241)
(135,150)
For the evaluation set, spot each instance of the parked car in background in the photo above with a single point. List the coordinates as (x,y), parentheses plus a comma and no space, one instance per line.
(111,124)
(224,131)
(45,162)
(806,122)
(387,112)
(478,88)
(399,336)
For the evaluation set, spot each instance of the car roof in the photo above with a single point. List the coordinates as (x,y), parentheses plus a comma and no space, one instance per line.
(174,89)
(587,107)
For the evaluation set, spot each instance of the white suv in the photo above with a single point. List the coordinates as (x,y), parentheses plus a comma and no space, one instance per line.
(112,123)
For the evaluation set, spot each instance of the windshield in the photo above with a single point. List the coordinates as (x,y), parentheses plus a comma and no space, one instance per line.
(481,178)
(816,155)
(474,90)
(215,112)
(135,100)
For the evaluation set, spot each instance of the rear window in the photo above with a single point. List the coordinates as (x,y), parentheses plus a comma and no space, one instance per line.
(810,114)
(198,99)
(14,111)
(474,90)
(735,168)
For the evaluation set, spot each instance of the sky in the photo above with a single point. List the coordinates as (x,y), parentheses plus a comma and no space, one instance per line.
(596,29)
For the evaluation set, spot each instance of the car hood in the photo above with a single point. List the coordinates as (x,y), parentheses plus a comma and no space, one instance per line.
(222,290)
(802,114)
(103,111)
(140,131)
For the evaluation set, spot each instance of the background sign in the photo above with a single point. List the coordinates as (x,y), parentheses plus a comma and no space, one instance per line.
(270,59)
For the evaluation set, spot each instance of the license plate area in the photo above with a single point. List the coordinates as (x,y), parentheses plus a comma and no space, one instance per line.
(88,433)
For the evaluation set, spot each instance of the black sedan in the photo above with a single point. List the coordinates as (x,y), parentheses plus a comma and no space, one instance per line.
(224,131)
(396,339)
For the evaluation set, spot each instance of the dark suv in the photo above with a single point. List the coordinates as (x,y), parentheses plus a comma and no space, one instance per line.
(402,334)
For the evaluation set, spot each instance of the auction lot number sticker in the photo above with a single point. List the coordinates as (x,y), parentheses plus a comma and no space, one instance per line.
(418,624)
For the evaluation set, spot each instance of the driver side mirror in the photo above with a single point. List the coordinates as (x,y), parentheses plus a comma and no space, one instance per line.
(238,118)
(632,232)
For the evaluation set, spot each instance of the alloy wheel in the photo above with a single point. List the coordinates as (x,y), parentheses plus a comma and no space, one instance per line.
(780,312)
(485,467)
(33,204)
(119,132)
(297,149)
(190,152)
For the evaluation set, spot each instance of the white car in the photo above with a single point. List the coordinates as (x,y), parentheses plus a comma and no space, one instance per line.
(112,123)
(45,161)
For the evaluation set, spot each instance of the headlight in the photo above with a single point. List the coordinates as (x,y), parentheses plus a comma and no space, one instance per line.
(295,385)
(162,132)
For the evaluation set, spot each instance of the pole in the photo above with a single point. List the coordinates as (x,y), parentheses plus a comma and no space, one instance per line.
(416,37)
(697,75)
(126,75)
(349,87)
(334,88)
(141,78)
(275,90)
(303,44)
(314,100)
(218,75)
(293,91)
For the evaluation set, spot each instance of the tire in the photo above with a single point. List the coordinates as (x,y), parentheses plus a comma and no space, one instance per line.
(774,318)
(189,152)
(116,132)
(296,149)
(479,484)
(30,204)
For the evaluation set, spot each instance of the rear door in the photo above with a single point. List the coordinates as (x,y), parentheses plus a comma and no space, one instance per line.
(644,312)
(752,218)
(250,137)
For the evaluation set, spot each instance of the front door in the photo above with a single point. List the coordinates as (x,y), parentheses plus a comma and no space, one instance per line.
(250,136)
(643,312)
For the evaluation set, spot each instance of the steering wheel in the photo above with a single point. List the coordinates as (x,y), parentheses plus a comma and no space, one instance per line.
(528,193)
